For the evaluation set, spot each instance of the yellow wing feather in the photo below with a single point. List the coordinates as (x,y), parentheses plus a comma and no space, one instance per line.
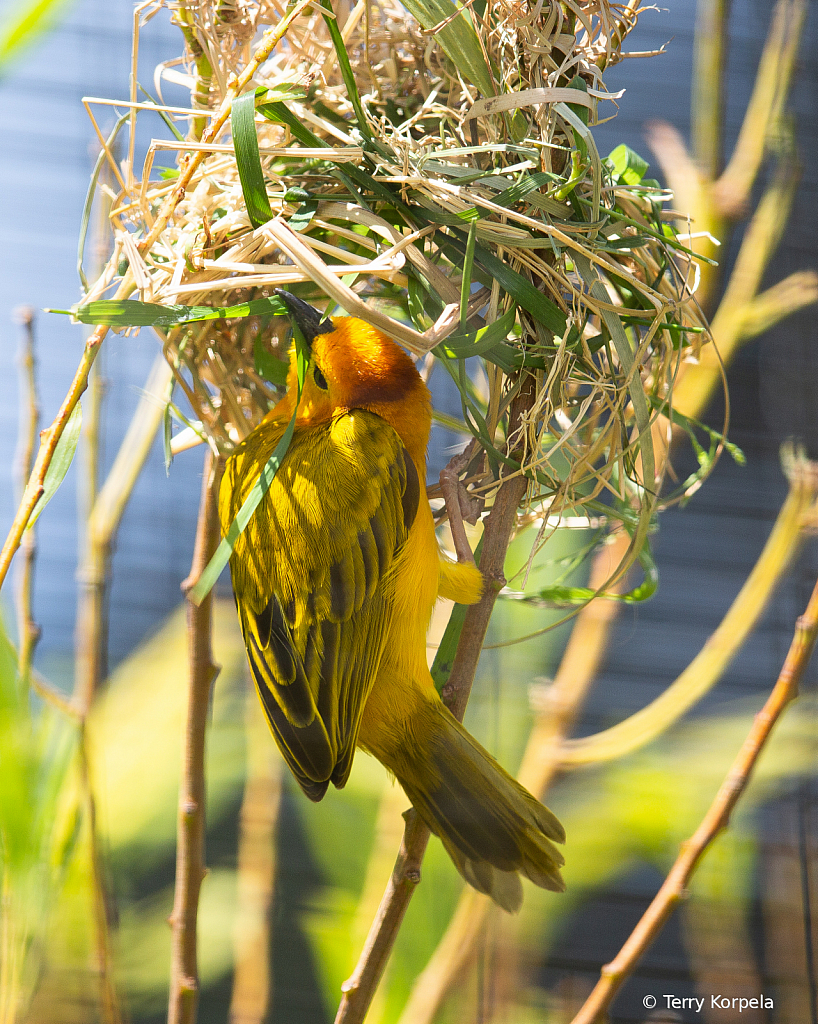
(311,575)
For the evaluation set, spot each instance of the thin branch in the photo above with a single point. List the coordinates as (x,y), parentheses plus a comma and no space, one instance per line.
(51,695)
(758,245)
(778,301)
(764,111)
(455,496)
(49,439)
(359,990)
(27,629)
(707,101)
(252,983)
(103,523)
(103,951)
(717,818)
(190,865)
(458,949)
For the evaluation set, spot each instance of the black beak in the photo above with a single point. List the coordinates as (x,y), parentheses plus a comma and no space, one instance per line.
(308,320)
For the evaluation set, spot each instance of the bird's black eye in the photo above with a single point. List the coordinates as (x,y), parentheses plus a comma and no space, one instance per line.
(319,379)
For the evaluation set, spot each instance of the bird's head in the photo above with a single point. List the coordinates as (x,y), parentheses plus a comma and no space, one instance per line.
(355,366)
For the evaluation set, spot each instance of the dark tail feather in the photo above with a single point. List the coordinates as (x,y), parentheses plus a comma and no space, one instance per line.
(492,828)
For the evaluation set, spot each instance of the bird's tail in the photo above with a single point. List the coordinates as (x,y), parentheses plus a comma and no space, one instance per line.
(493,829)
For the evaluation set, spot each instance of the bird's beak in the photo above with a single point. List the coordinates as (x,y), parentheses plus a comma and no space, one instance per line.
(308,320)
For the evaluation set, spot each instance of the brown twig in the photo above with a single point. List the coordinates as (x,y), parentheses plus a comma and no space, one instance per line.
(103,523)
(455,497)
(90,658)
(252,984)
(359,990)
(190,866)
(109,998)
(49,439)
(717,818)
(459,947)
(27,629)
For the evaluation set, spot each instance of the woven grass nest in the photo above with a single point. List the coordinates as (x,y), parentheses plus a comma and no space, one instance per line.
(430,168)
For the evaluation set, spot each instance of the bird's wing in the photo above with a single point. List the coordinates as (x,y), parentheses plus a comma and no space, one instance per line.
(311,578)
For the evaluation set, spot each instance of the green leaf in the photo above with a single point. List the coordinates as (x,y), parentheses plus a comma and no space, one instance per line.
(132,313)
(627,165)
(560,595)
(344,65)
(582,112)
(706,459)
(586,146)
(519,288)
(60,462)
(465,281)
(483,342)
(248,160)
(447,650)
(277,111)
(283,93)
(300,220)
(267,366)
(214,567)
(516,193)
(457,38)
(89,197)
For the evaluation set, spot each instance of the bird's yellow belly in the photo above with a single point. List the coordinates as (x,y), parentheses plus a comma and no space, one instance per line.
(414,592)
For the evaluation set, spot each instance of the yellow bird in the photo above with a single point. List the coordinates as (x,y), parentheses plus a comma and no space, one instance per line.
(335,579)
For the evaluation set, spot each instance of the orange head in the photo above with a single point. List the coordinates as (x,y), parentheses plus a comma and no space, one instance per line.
(355,366)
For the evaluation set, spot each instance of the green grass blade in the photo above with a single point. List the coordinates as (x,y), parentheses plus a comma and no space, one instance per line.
(561,595)
(132,313)
(266,365)
(214,567)
(457,38)
(519,288)
(344,65)
(89,199)
(627,166)
(465,281)
(248,160)
(582,134)
(480,342)
(277,111)
(60,462)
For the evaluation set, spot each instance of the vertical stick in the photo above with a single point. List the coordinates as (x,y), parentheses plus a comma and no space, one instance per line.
(190,832)
(28,631)
(359,990)
(707,101)
(252,984)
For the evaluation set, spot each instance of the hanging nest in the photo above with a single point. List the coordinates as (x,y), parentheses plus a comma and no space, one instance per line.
(434,173)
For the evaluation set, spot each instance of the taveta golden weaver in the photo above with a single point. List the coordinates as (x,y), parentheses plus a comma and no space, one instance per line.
(335,579)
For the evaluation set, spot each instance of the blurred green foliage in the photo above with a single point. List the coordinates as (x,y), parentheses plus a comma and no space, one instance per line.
(619,816)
